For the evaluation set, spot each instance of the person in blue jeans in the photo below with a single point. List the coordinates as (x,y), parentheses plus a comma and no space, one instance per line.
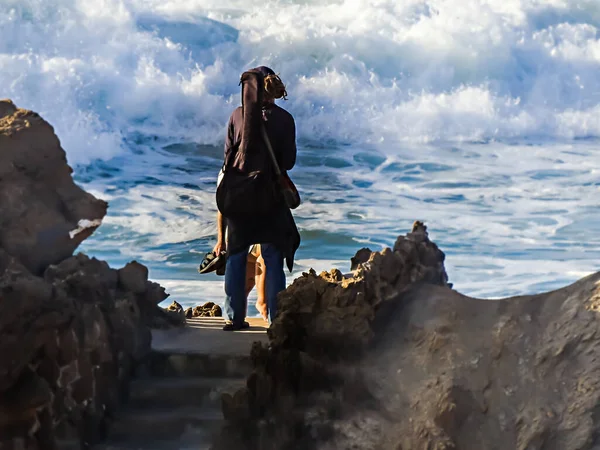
(235,289)
(276,232)
(255,270)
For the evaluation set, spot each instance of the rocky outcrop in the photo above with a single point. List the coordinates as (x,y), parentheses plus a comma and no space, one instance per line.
(71,328)
(44,216)
(209,309)
(393,358)
(76,336)
(169,317)
(324,327)
(453,372)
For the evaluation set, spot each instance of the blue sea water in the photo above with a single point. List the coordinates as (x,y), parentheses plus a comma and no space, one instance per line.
(481,118)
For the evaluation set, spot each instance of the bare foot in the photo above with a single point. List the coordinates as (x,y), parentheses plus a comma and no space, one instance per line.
(262,309)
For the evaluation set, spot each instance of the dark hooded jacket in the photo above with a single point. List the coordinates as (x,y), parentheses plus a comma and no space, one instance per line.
(279,227)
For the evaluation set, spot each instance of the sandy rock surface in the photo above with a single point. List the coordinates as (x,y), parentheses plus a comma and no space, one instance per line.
(392,358)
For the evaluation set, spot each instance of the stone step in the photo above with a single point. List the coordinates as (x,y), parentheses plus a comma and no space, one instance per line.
(63,444)
(186,443)
(175,403)
(179,364)
(181,392)
(152,425)
(167,445)
(201,348)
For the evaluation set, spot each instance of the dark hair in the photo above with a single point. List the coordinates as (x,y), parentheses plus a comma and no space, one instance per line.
(266,71)
(274,87)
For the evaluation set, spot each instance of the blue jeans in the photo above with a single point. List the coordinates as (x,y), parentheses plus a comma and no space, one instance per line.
(236,302)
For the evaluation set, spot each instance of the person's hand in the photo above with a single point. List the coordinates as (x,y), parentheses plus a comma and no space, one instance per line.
(219,248)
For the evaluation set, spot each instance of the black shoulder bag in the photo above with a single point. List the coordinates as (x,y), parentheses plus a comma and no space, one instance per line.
(286,185)
(241,195)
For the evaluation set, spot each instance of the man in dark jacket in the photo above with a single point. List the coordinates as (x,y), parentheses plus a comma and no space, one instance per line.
(276,233)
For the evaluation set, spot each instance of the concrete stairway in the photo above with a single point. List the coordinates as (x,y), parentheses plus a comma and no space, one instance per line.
(176,403)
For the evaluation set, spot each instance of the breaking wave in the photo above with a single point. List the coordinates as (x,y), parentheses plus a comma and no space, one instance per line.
(107,72)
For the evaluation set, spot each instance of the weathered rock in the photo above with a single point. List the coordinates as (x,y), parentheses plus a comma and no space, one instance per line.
(30,313)
(88,279)
(216,311)
(154,293)
(7,108)
(133,277)
(40,205)
(208,309)
(20,404)
(172,316)
(392,358)
(449,371)
(361,257)
(236,407)
(324,321)
(96,354)
(149,298)
(72,330)
(175,307)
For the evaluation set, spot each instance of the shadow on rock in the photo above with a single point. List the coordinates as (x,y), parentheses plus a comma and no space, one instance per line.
(390,357)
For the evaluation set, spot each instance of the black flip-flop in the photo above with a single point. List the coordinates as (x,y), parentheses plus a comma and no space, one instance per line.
(212,262)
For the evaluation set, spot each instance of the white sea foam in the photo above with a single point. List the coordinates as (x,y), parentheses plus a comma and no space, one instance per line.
(511,218)
(358,71)
(161,214)
(83,225)
(194,292)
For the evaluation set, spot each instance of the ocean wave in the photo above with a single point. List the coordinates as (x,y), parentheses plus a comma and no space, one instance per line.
(358,72)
